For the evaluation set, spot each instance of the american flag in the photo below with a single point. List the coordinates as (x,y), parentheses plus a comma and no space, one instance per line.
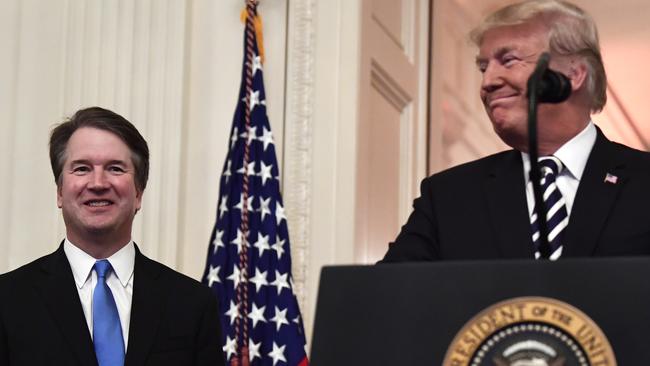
(249,262)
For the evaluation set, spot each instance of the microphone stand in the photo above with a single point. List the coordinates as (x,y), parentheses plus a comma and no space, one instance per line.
(535,176)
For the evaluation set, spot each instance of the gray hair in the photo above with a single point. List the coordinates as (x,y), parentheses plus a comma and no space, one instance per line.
(572,32)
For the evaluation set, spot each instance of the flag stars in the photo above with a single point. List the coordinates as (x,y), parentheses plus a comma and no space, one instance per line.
(252,133)
(280,318)
(277,354)
(235,276)
(239,241)
(257,65)
(227,173)
(262,243)
(213,275)
(265,172)
(253,350)
(218,241)
(279,213)
(258,275)
(280,281)
(267,138)
(257,314)
(223,206)
(264,207)
(249,203)
(278,247)
(259,279)
(254,100)
(231,347)
(233,138)
(249,170)
(233,312)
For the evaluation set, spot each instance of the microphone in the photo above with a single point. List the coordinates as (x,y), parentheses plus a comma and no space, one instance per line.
(554,87)
(544,86)
(551,86)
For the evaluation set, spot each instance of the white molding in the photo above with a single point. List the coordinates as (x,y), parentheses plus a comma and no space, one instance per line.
(388,87)
(298,137)
(330,182)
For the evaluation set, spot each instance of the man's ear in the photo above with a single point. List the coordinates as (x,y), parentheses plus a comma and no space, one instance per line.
(138,199)
(59,197)
(577,74)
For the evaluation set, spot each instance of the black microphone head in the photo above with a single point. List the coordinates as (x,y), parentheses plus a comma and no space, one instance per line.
(554,87)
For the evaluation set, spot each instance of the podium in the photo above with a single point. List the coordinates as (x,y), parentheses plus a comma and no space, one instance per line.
(457,313)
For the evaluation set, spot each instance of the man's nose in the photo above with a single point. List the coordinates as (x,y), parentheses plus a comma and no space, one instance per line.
(98,180)
(492,78)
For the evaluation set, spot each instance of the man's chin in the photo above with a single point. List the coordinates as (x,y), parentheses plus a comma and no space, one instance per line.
(511,136)
(99,227)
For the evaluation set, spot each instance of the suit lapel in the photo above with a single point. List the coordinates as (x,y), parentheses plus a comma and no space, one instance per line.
(508,212)
(61,297)
(594,199)
(149,296)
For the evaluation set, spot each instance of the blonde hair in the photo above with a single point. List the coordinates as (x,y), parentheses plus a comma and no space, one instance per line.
(572,32)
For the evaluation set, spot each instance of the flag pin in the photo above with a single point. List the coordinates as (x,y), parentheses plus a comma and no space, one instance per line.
(610,178)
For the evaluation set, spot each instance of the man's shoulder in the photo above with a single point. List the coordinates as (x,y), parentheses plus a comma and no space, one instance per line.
(172,278)
(17,285)
(479,168)
(615,155)
(29,270)
(630,153)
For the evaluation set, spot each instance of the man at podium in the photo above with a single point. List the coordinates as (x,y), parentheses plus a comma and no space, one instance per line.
(596,192)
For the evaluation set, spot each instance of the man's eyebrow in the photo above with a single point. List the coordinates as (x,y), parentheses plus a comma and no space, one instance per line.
(498,54)
(117,162)
(502,51)
(79,161)
(88,162)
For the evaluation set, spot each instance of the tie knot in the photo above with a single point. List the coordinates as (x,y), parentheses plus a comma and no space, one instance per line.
(550,164)
(102,268)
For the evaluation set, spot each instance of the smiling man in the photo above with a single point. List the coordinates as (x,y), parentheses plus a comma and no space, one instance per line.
(596,191)
(97,300)
(98,191)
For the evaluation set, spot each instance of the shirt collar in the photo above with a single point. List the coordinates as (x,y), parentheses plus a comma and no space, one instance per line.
(123,262)
(573,154)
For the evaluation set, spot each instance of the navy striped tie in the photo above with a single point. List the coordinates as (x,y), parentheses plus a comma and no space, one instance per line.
(556,212)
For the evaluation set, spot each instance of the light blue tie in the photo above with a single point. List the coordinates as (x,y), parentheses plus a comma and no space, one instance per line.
(107,331)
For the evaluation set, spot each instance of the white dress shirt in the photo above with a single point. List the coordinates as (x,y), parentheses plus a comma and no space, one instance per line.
(573,154)
(120,281)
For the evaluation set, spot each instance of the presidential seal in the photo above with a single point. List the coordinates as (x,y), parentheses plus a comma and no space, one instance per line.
(530,331)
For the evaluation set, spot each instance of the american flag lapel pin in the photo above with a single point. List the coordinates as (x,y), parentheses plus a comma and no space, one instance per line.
(610,178)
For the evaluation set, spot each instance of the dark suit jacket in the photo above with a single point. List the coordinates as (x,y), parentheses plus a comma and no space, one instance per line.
(174,319)
(478,210)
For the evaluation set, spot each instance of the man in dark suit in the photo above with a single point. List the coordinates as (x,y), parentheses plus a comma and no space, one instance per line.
(484,209)
(97,300)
